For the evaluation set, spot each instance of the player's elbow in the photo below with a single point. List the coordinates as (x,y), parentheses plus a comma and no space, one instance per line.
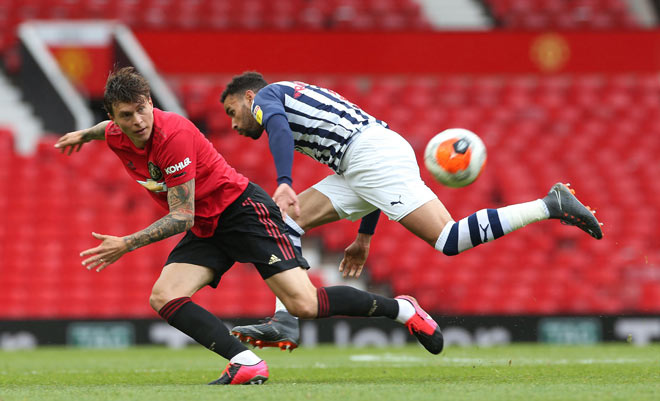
(189,222)
(184,220)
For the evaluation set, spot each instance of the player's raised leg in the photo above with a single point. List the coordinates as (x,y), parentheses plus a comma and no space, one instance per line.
(564,206)
(170,297)
(304,300)
(430,223)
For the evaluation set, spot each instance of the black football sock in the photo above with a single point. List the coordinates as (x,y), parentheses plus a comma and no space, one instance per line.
(202,326)
(349,301)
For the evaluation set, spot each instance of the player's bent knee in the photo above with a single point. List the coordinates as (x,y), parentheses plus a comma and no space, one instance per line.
(302,307)
(304,311)
(158,298)
(156,302)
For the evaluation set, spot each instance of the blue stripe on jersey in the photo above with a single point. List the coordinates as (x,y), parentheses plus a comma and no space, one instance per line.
(315,150)
(330,108)
(364,117)
(321,121)
(317,132)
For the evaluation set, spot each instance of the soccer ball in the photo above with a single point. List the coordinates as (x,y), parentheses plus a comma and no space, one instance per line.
(455,157)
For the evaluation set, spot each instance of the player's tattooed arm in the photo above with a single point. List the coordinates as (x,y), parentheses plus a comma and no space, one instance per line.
(181,217)
(181,200)
(96,132)
(73,141)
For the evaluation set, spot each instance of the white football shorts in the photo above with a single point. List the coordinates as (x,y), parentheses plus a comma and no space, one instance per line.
(379,171)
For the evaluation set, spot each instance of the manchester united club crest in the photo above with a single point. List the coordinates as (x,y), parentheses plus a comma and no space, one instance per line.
(155,172)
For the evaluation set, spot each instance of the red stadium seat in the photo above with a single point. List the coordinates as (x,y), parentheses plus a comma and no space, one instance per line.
(563,15)
(546,268)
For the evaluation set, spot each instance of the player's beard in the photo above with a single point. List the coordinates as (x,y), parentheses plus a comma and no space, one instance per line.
(254,130)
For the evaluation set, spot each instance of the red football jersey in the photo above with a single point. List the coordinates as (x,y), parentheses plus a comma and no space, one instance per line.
(176,153)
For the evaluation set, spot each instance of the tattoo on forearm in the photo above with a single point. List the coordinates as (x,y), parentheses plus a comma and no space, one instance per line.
(181,217)
(96,132)
(166,227)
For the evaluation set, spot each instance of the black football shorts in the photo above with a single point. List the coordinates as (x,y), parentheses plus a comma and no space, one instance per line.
(250,230)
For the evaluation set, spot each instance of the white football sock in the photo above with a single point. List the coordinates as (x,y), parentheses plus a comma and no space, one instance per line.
(406,311)
(520,215)
(246,357)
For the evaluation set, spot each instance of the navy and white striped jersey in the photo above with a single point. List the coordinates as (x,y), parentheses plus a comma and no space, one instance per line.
(321,120)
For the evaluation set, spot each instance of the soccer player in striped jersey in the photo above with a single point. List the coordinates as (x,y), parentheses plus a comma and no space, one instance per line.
(376,170)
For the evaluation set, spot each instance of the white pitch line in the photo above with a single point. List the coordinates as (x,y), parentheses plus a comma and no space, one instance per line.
(528,361)
(496,362)
(387,358)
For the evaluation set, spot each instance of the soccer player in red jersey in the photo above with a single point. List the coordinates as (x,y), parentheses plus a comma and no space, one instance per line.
(226,219)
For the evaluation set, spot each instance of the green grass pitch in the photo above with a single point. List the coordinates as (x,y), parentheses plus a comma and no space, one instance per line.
(515,372)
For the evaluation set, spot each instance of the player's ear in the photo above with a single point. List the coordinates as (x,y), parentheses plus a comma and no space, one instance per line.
(249,95)
(110,112)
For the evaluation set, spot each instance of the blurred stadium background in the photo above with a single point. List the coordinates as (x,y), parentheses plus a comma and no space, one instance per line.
(558,89)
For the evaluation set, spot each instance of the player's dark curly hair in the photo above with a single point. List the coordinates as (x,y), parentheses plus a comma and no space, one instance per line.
(249,80)
(125,85)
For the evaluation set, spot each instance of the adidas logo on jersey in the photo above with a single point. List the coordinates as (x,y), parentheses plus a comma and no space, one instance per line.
(274,259)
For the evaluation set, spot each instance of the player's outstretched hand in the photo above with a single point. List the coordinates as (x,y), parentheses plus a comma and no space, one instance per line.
(286,197)
(75,140)
(355,256)
(72,141)
(111,249)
